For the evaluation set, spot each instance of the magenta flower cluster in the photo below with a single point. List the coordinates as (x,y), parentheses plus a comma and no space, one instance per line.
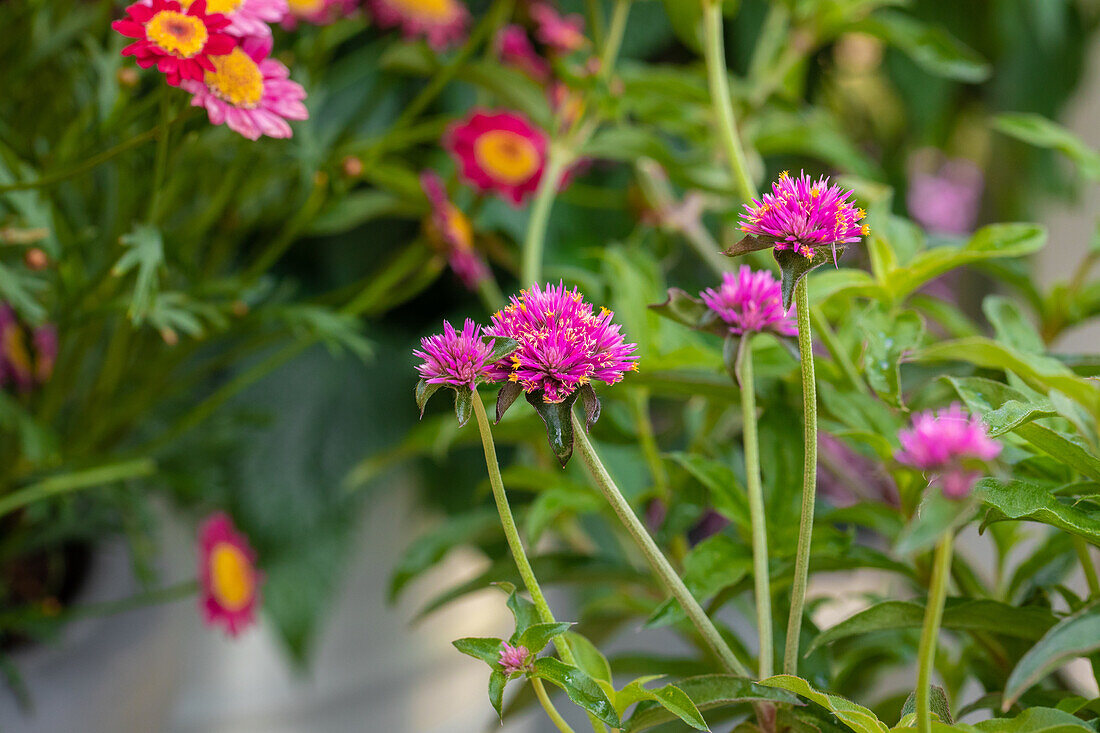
(563,344)
(455,359)
(948,444)
(750,302)
(801,214)
(513,658)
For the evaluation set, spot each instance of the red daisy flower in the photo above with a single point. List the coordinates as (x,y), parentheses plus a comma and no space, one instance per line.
(178,41)
(230,582)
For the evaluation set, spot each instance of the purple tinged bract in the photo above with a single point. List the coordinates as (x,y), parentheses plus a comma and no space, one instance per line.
(563,344)
(801,214)
(948,444)
(750,302)
(453,358)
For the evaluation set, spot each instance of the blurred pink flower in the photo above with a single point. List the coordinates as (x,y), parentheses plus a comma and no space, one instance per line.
(449,228)
(561,33)
(230,582)
(514,49)
(317,12)
(945,194)
(440,22)
(499,151)
(750,302)
(951,445)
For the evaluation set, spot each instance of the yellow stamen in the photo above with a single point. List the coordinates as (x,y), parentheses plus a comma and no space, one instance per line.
(178,34)
(784,175)
(236,79)
(306,7)
(860,213)
(507,156)
(231,579)
(865,229)
(437,10)
(216,6)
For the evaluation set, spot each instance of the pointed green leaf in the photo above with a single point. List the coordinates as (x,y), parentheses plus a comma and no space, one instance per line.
(559,423)
(1041,132)
(707,692)
(523,611)
(1075,636)
(1023,500)
(793,267)
(580,688)
(1035,720)
(589,657)
(537,636)
(856,717)
(464,404)
(937,702)
(733,348)
(502,347)
(681,307)
(506,396)
(746,245)
(424,392)
(930,47)
(591,404)
(497,681)
(485,649)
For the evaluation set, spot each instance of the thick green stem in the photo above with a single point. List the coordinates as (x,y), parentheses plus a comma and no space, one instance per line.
(531,268)
(809,479)
(756,511)
(544,700)
(715,54)
(653,554)
(933,614)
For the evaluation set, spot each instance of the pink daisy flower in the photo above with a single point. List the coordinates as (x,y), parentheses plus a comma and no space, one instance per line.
(440,22)
(563,34)
(250,92)
(455,359)
(801,215)
(563,345)
(246,17)
(499,151)
(181,43)
(230,582)
(513,658)
(316,12)
(750,302)
(449,228)
(951,445)
(514,49)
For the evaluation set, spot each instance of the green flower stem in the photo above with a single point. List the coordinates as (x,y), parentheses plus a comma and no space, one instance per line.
(160,164)
(715,55)
(544,699)
(809,479)
(653,554)
(557,160)
(1087,565)
(933,614)
(614,40)
(756,510)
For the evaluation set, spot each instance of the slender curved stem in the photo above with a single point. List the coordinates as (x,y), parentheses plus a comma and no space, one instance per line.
(756,511)
(836,350)
(1087,565)
(715,54)
(653,554)
(160,164)
(544,700)
(933,614)
(76,480)
(531,268)
(809,479)
(613,41)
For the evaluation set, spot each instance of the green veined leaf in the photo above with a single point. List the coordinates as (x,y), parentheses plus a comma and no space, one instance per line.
(669,697)
(1035,720)
(537,636)
(707,692)
(856,717)
(1075,636)
(580,688)
(932,48)
(1022,500)
(485,649)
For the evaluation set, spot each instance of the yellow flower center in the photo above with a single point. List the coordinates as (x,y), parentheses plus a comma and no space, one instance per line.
(236,78)
(231,578)
(15,349)
(305,7)
(178,34)
(439,10)
(216,6)
(507,156)
(463,231)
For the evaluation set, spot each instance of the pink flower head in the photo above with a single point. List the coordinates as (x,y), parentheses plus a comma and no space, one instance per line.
(513,658)
(948,444)
(246,17)
(250,92)
(563,345)
(563,34)
(230,582)
(514,49)
(499,151)
(944,194)
(450,228)
(317,12)
(750,302)
(181,43)
(440,22)
(23,364)
(455,359)
(801,215)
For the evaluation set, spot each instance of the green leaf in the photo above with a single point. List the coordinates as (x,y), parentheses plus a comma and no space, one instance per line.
(430,548)
(523,611)
(1022,500)
(536,637)
(589,657)
(580,688)
(932,48)
(686,20)
(725,489)
(747,244)
(508,393)
(712,565)
(1011,326)
(485,649)
(1074,636)
(793,267)
(497,681)
(356,208)
(856,717)
(591,404)
(502,347)
(890,336)
(937,703)
(1001,407)
(1041,132)
(145,252)
(1035,720)
(707,692)
(424,392)
(559,423)
(464,403)
(936,514)
(669,697)
(17,287)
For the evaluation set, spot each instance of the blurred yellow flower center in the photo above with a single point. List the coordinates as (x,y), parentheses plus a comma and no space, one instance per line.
(230,576)
(461,227)
(236,78)
(177,33)
(216,6)
(507,156)
(433,9)
(306,7)
(14,349)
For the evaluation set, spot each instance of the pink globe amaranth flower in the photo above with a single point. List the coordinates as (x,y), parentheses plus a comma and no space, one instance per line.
(317,12)
(250,93)
(513,658)
(455,359)
(180,42)
(563,34)
(948,444)
(246,17)
(563,345)
(451,230)
(25,364)
(750,302)
(801,215)
(514,49)
(944,194)
(440,22)
(499,151)
(230,583)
